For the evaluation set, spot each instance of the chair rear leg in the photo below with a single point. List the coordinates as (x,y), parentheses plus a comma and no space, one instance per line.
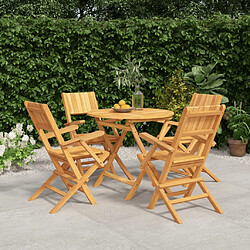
(43,187)
(210,197)
(67,196)
(154,199)
(206,170)
(135,186)
(88,194)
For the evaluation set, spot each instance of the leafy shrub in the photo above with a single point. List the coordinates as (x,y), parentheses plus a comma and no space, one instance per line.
(41,58)
(238,123)
(16,147)
(175,95)
(205,82)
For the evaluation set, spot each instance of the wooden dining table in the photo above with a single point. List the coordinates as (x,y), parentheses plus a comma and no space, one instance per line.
(111,117)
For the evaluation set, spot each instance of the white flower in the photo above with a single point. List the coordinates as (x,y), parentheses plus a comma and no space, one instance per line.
(19,132)
(7,164)
(1,136)
(23,144)
(5,141)
(28,159)
(2,149)
(25,138)
(11,144)
(32,141)
(19,126)
(12,135)
(30,128)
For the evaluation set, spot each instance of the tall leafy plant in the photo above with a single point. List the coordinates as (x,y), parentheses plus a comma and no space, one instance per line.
(129,74)
(206,82)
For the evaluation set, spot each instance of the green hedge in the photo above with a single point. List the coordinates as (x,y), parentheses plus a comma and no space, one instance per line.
(41,58)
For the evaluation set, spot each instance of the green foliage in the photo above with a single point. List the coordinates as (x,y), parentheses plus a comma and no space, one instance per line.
(16,147)
(175,95)
(129,75)
(122,9)
(238,123)
(206,83)
(41,58)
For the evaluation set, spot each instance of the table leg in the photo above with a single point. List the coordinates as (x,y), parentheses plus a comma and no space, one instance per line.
(137,182)
(111,159)
(119,161)
(137,138)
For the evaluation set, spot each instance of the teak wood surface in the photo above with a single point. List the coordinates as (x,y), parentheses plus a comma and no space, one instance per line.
(67,159)
(197,101)
(199,122)
(147,114)
(79,104)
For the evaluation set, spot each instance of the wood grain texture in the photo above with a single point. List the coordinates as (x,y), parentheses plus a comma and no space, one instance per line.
(204,127)
(65,159)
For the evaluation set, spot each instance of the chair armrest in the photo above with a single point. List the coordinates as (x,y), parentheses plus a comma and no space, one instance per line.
(75,123)
(84,138)
(151,139)
(61,131)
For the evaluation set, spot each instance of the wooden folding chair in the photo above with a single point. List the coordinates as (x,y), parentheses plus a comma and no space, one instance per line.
(196,101)
(65,158)
(200,123)
(82,103)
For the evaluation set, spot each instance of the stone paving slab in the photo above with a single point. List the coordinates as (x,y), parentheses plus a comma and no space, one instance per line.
(118,224)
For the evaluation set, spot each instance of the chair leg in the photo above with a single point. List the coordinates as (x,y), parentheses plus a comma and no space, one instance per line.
(154,199)
(43,187)
(72,190)
(88,194)
(170,206)
(135,186)
(206,170)
(210,197)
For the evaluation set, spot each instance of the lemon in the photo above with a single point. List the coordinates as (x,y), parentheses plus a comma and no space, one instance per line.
(122,102)
(124,106)
(127,106)
(117,106)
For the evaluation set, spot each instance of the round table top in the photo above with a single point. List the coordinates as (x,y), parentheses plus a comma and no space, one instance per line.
(144,114)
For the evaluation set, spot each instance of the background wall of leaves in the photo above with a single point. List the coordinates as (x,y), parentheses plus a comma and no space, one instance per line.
(43,57)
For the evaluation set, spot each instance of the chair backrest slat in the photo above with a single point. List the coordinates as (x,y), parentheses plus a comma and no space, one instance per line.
(205,100)
(199,121)
(43,121)
(79,103)
(202,100)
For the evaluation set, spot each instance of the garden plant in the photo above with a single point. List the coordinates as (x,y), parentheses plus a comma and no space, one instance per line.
(16,147)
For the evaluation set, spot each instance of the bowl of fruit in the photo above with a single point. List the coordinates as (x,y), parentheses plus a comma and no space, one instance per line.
(122,107)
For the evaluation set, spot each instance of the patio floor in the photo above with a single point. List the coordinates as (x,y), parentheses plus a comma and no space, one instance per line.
(118,224)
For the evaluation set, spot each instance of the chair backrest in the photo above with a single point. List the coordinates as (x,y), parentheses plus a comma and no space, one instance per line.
(43,121)
(200,122)
(204,100)
(79,103)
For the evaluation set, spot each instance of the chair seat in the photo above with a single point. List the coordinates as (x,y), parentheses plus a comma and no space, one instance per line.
(184,140)
(180,157)
(76,152)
